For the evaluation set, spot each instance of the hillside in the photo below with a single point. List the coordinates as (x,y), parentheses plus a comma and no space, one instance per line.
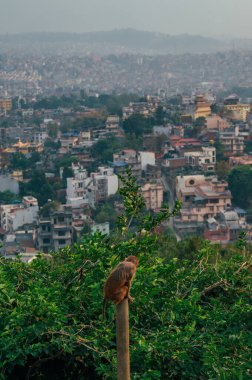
(127,40)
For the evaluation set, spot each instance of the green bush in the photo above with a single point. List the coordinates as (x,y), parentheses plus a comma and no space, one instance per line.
(191,319)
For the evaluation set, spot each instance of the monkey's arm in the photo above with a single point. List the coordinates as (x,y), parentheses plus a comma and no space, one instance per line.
(130,274)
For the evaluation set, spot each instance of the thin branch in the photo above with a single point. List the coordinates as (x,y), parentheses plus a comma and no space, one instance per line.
(244,265)
(79,340)
(208,290)
(220,283)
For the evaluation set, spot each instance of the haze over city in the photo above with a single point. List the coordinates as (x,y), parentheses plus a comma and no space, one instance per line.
(225,18)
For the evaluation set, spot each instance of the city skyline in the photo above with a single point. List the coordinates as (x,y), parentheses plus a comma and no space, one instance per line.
(219,18)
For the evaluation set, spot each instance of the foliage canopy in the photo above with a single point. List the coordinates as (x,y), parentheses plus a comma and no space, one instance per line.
(190,318)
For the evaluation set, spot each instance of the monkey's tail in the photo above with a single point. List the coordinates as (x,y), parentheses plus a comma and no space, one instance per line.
(104,308)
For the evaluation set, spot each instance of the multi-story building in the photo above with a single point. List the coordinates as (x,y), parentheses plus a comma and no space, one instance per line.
(18,215)
(112,123)
(238,111)
(216,122)
(204,158)
(8,183)
(240,160)
(127,158)
(76,188)
(55,232)
(136,161)
(105,183)
(232,140)
(40,137)
(82,189)
(153,196)
(202,198)
(147,158)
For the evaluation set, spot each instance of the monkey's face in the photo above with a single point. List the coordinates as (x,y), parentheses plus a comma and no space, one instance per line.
(132,259)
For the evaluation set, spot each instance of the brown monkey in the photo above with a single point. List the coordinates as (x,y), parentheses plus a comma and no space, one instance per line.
(117,286)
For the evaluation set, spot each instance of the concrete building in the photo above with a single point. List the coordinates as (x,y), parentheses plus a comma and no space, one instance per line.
(105,183)
(233,222)
(147,158)
(55,232)
(76,192)
(103,228)
(238,111)
(15,216)
(153,196)
(216,122)
(232,140)
(240,160)
(112,123)
(205,158)
(127,158)
(202,198)
(40,137)
(7,183)
(84,190)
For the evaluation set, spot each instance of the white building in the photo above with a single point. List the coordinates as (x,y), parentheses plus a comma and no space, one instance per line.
(15,216)
(100,227)
(77,188)
(108,178)
(40,137)
(8,183)
(147,158)
(82,189)
(204,158)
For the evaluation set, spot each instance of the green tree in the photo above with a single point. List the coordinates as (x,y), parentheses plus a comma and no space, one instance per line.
(53,130)
(19,161)
(138,125)
(220,151)
(240,184)
(7,197)
(222,169)
(39,187)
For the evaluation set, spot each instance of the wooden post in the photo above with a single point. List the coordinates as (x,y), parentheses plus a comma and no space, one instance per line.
(122,340)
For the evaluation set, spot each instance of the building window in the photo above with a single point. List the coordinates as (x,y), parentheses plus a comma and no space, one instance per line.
(61,233)
(61,218)
(62,241)
(46,241)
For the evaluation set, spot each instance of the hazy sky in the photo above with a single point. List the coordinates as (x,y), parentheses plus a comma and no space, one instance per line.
(206,17)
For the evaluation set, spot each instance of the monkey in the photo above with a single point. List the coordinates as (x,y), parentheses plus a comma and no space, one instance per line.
(118,284)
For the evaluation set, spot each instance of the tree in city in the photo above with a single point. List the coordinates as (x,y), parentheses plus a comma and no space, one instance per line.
(222,169)
(240,184)
(138,125)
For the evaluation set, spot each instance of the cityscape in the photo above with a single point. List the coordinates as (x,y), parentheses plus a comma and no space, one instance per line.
(121,143)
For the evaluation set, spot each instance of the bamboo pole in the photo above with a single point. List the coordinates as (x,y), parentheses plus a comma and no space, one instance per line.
(122,340)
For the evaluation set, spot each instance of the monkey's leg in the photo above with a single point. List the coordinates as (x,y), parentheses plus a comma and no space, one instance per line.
(131,299)
(121,295)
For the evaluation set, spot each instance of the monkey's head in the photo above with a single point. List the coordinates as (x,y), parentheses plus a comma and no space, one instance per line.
(132,259)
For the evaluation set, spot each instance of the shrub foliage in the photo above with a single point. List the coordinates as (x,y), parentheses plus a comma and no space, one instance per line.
(191,319)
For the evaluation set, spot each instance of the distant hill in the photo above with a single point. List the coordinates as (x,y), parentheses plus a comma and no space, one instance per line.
(126,39)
